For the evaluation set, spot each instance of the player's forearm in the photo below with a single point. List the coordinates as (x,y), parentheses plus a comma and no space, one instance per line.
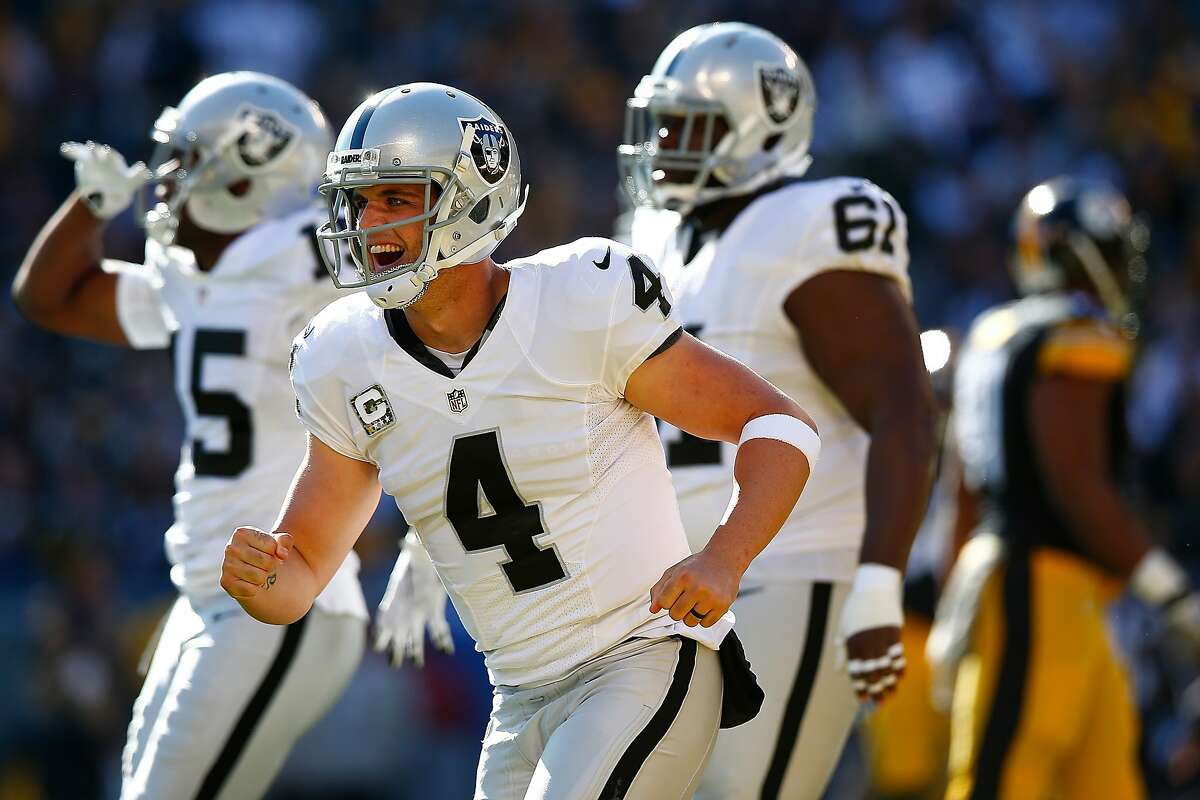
(288,594)
(67,251)
(770,476)
(899,472)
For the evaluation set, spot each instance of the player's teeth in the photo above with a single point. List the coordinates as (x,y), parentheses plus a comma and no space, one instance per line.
(385,248)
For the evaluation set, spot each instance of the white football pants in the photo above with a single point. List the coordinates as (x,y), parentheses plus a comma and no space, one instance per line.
(226,697)
(638,722)
(789,751)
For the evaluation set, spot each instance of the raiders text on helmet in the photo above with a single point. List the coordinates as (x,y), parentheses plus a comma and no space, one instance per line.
(1074,233)
(431,135)
(240,148)
(727,109)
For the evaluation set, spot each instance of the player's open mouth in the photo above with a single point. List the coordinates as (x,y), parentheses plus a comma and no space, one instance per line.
(385,256)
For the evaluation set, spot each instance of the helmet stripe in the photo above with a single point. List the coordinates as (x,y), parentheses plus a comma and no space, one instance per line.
(360,127)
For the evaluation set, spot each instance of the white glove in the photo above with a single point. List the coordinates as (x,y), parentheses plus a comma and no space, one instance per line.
(874,663)
(105,182)
(1160,581)
(414,601)
(1183,620)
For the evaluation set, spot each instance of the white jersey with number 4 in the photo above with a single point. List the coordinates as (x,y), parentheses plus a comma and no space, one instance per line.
(230,332)
(731,294)
(540,493)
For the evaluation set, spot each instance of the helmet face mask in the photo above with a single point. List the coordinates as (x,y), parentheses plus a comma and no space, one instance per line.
(742,103)
(241,147)
(346,205)
(674,151)
(427,135)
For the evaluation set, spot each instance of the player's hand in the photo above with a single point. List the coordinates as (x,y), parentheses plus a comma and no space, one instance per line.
(414,601)
(870,626)
(698,590)
(251,560)
(105,182)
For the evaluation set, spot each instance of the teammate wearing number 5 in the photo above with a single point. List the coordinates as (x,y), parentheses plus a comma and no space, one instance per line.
(806,282)
(231,274)
(507,410)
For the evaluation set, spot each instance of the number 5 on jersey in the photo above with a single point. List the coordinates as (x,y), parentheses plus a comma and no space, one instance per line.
(478,472)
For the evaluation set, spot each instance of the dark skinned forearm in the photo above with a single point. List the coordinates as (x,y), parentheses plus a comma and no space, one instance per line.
(898,479)
(60,284)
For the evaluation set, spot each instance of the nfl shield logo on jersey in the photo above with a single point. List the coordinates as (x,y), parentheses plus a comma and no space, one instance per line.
(457,400)
(780,92)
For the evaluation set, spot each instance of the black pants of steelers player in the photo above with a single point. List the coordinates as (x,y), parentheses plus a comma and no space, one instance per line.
(1042,707)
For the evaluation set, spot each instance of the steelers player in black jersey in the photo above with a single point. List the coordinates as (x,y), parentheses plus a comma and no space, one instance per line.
(1042,707)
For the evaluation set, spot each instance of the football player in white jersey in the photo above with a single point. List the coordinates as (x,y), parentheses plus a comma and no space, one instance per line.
(231,275)
(505,409)
(807,284)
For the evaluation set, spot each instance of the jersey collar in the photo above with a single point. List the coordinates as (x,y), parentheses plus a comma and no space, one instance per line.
(402,334)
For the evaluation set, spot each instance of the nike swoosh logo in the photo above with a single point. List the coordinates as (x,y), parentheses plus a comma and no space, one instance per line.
(749,591)
(603,263)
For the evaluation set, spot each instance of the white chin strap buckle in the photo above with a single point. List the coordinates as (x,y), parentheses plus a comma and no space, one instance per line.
(403,290)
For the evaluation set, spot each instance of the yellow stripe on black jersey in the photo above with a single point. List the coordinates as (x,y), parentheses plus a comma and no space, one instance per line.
(1086,348)
(1008,351)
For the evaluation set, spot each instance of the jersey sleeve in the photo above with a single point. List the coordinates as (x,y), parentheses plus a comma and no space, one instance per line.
(603,309)
(304,303)
(140,309)
(321,403)
(642,319)
(837,224)
(1088,349)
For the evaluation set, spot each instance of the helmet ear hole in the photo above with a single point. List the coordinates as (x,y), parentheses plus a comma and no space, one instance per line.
(239,189)
(772,140)
(479,212)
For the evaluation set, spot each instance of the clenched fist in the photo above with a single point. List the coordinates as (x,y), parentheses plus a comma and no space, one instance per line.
(698,590)
(251,559)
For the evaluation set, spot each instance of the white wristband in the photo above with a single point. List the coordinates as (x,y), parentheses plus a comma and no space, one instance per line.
(875,600)
(787,429)
(1158,578)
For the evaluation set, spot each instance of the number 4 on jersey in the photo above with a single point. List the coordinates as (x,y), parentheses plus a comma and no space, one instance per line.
(647,287)
(478,472)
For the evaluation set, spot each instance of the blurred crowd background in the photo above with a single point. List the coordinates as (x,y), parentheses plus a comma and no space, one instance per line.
(955,107)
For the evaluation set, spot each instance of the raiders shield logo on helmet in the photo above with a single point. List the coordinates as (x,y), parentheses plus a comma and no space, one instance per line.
(457,400)
(489,148)
(265,136)
(780,90)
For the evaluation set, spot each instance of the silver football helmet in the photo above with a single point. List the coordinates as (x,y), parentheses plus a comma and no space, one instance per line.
(239,148)
(727,109)
(430,135)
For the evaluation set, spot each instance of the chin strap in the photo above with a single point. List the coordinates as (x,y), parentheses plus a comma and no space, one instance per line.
(403,290)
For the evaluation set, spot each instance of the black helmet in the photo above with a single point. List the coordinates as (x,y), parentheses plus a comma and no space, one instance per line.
(1073,233)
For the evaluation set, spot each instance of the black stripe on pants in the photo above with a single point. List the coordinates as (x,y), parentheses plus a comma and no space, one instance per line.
(214,781)
(806,677)
(1005,713)
(643,744)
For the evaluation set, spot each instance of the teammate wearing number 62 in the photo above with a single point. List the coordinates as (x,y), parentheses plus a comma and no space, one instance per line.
(806,282)
(507,409)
